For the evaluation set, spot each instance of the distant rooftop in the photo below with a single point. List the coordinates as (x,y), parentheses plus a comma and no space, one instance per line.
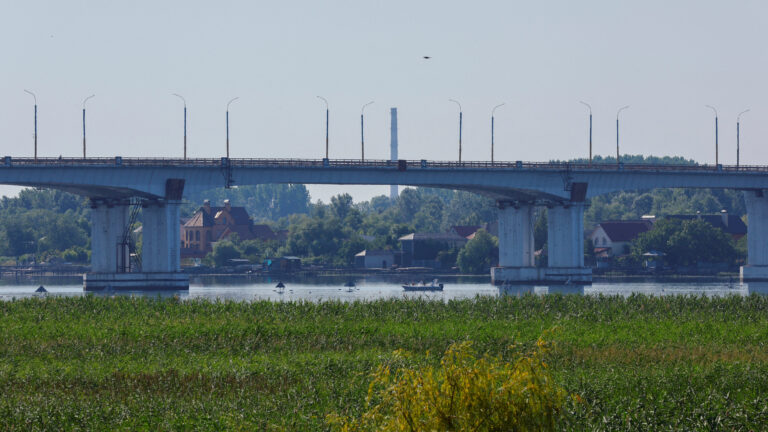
(432,236)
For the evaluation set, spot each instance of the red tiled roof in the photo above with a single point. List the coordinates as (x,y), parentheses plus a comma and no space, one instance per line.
(465,230)
(263,232)
(242,231)
(624,231)
(203,218)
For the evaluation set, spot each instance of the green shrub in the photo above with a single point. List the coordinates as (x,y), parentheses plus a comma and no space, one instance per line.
(465,393)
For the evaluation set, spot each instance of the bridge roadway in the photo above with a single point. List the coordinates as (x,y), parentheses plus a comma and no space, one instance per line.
(518,187)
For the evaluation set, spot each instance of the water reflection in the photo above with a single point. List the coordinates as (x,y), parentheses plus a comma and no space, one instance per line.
(246,288)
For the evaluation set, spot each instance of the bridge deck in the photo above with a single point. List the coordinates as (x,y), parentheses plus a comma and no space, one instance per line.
(356,163)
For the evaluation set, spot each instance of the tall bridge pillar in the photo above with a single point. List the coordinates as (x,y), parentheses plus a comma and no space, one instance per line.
(108,221)
(161,244)
(565,245)
(757,237)
(160,255)
(516,248)
(516,260)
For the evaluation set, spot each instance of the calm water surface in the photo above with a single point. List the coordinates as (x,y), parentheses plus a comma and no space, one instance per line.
(371,288)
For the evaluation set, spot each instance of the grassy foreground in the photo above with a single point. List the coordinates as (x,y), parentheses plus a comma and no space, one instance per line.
(640,363)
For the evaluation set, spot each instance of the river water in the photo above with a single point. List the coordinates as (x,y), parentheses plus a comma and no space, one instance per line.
(370,288)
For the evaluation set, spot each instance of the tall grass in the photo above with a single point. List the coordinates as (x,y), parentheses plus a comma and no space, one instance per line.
(639,363)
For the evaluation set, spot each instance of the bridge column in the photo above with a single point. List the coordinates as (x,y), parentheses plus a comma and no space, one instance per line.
(565,245)
(160,255)
(516,259)
(108,221)
(161,247)
(757,237)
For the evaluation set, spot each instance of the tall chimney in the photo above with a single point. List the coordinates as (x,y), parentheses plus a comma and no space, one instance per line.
(393,148)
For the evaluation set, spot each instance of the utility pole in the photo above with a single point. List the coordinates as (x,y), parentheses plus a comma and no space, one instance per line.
(493,111)
(84,101)
(234,99)
(327,110)
(590,130)
(185,123)
(617,131)
(35,135)
(362,132)
(738,118)
(460,124)
(717,162)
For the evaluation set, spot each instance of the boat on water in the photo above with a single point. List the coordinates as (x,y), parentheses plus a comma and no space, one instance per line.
(421,286)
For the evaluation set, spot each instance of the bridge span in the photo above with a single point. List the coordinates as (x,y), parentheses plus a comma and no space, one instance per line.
(118,186)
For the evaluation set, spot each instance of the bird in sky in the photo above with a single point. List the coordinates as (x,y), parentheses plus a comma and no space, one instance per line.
(427,57)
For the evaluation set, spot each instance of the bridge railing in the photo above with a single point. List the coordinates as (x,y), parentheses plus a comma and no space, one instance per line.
(9,162)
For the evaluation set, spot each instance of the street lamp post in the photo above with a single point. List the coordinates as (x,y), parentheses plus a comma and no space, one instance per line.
(738,118)
(326,124)
(362,134)
(716,134)
(84,101)
(493,111)
(35,135)
(590,129)
(617,131)
(185,122)
(232,100)
(460,124)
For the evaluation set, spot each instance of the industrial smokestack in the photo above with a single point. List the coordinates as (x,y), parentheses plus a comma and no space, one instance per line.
(393,148)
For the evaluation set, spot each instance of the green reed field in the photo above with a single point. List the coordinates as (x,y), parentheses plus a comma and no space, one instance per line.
(640,363)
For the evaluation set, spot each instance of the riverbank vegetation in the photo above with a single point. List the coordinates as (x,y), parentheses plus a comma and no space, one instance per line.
(636,363)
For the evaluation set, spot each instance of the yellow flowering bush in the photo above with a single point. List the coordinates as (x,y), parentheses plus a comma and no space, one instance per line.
(465,393)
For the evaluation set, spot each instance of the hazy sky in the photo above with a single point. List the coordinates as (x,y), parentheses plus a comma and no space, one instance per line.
(666,59)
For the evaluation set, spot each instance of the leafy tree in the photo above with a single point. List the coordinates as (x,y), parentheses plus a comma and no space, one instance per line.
(341,205)
(686,242)
(20,238)
(223,251)
(476,255)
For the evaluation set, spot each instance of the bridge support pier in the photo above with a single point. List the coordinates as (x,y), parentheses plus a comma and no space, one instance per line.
(516,259)
(756,269)
(160,251)
(160,254)
(108,220)
(566,246)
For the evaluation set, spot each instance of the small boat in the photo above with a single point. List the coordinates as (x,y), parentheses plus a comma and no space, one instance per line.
(280,288)
(41,289)
(421,286)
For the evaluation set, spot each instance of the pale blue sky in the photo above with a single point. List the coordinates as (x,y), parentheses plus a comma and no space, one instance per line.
(664,58)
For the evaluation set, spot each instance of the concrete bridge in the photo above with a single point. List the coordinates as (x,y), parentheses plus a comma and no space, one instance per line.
(118,186)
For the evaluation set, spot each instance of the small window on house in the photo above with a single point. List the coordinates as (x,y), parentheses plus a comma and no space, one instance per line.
(197,235)
(208,236)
